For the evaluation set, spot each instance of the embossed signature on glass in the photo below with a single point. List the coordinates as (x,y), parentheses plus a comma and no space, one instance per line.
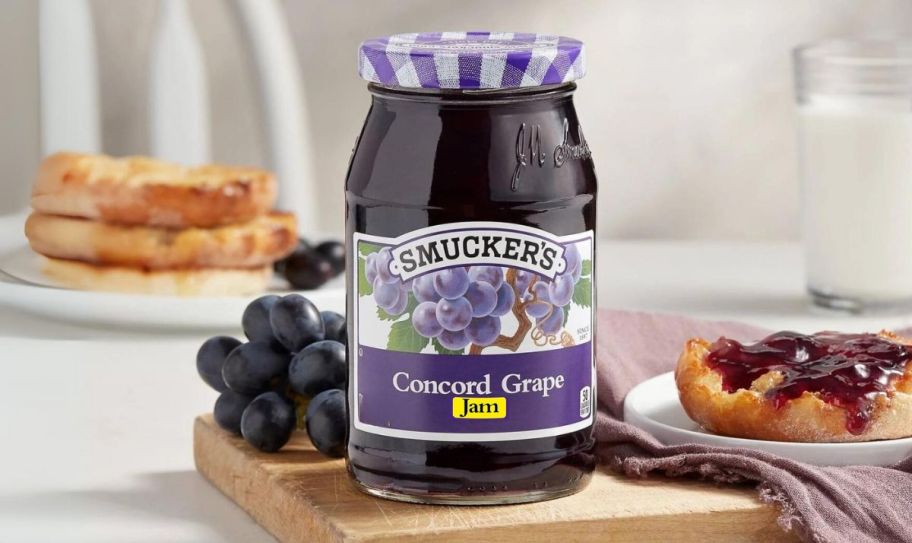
(568,151)
(529,149)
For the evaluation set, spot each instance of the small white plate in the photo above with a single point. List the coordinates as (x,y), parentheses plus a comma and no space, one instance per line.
(653,405)
(23,286)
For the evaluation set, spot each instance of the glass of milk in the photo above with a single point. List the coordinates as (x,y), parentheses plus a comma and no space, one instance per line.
(855,148)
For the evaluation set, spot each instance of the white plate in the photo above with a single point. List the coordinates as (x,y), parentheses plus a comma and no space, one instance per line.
(23,286)
(653,405)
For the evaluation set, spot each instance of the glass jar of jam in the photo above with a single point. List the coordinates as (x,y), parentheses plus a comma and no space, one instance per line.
(471,200)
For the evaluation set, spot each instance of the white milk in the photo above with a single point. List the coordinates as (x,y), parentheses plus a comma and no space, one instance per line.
(856,165)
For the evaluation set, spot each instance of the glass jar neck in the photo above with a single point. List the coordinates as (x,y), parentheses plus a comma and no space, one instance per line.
(474,97)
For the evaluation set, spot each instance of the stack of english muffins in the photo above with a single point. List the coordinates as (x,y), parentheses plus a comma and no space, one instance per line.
(145,226)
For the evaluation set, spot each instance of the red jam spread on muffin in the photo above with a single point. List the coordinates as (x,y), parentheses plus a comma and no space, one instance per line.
(846,370)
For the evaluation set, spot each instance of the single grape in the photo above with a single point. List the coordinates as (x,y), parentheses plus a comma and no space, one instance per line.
(552,323)
(575,274)
(386,294)
(319,366)
(423,288)
(454,341)
(560,291)
(401,303)
(229,407)
(296,322)
(327,423)
(572,258)
(210,359)
(268,422)
(483,331)
(307,270)
(302,246)
(455,314)
(482,296)
(505,299)
(540,291)
(424,320)
(370,268)
(451,283)
(334,326)
(256,367)
(334,253)
(492,275)
(522,281)
(384,257)
(255,320)
(537,310)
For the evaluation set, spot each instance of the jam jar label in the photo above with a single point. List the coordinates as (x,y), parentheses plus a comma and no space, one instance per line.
(473,331)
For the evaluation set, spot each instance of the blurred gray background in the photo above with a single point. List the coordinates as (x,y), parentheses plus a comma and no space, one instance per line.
(687,106)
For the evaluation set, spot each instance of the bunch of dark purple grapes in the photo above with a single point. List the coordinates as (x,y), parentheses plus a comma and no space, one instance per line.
(546,301)
(463,305)
(309,267)
(290,374)
(456,306)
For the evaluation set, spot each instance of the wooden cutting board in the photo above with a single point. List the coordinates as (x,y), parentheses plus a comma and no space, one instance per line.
(300,496)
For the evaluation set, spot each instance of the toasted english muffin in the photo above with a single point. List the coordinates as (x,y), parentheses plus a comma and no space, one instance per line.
(254,243)
(145,191)
(752,412)
(187,282)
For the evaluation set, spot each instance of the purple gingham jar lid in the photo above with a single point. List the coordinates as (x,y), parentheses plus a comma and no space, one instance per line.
(471,60)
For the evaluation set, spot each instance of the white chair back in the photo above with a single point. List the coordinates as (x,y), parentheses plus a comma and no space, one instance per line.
(178,93)
(69,77)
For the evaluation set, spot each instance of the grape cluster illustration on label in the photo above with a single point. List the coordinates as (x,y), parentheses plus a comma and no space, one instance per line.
(462,309)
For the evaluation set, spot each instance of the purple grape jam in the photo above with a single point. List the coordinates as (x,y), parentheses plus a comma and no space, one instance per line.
(845,370)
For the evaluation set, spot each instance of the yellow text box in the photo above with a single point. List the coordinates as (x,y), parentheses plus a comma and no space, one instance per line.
(479,408)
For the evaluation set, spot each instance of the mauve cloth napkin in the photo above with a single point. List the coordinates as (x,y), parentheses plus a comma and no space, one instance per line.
(852,504)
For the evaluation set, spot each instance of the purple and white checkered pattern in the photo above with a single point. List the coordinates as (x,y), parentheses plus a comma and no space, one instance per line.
(471,60)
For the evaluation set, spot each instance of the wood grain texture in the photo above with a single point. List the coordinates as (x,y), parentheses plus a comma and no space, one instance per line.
(300,496)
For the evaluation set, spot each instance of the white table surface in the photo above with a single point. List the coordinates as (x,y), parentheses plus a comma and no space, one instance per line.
(96,423)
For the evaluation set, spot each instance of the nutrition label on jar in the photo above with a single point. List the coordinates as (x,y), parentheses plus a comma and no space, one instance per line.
(473,331)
